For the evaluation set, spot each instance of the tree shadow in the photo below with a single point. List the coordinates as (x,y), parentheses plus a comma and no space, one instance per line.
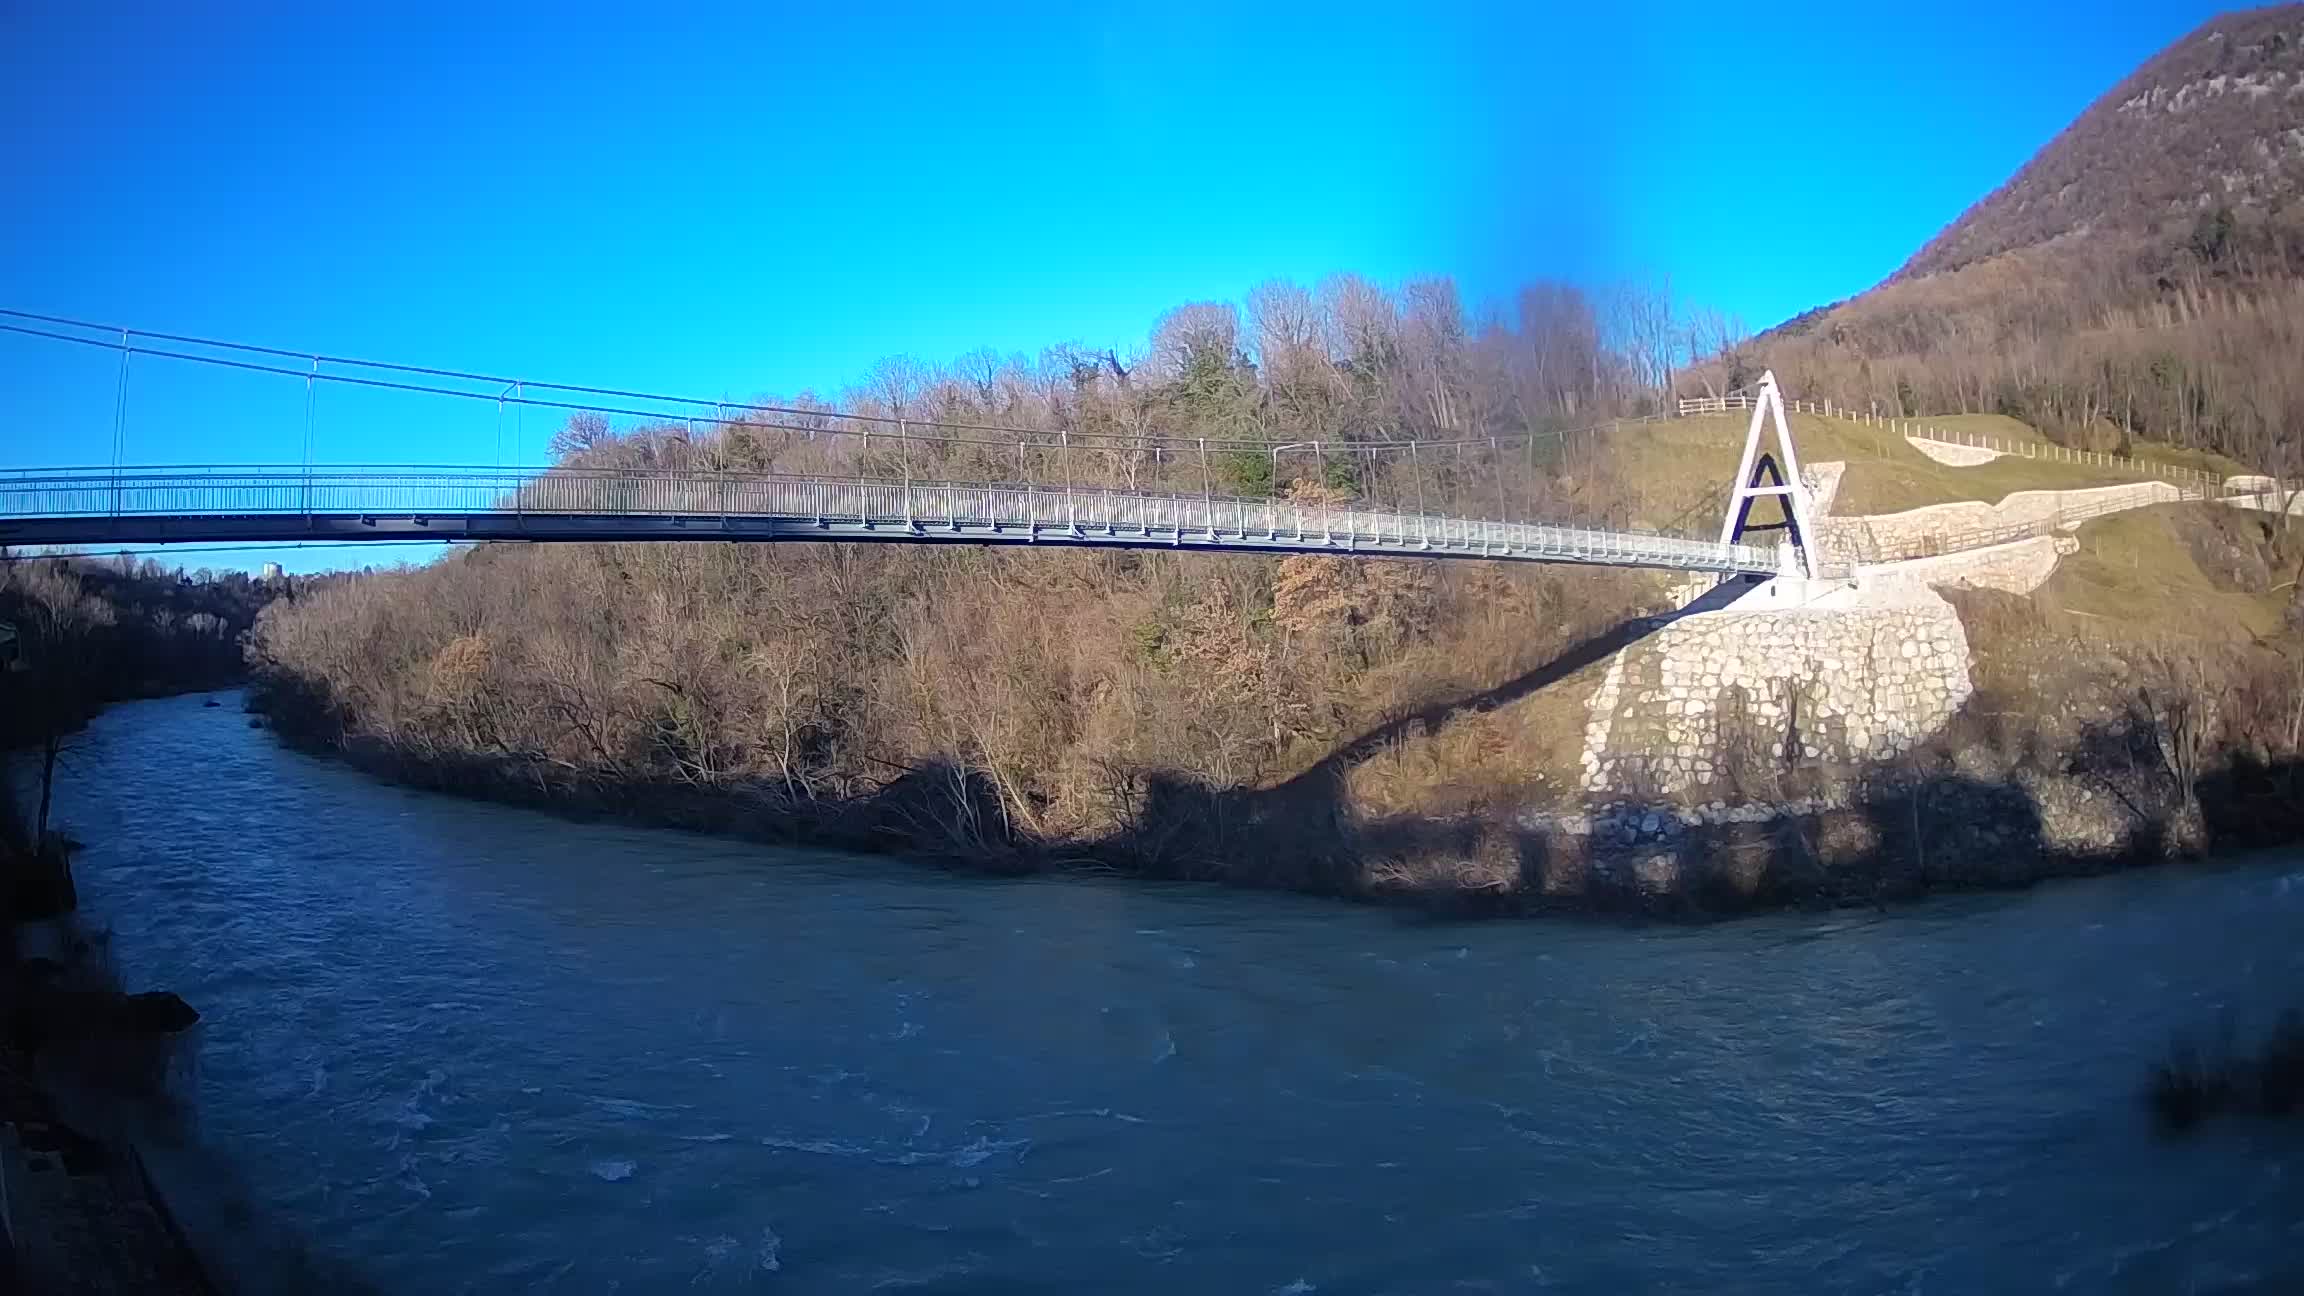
(1430,719)
(1301,834)
(2250,801)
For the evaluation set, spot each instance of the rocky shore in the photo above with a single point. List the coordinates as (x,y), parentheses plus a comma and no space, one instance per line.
(81,1213)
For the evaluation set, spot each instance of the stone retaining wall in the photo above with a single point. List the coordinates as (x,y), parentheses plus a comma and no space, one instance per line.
(1936,527)
(1681,710)
(1823,483)
(2017,568)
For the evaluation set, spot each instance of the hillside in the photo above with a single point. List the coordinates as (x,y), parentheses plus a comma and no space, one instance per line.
(2216,119)
(1684,465)
(2142,278)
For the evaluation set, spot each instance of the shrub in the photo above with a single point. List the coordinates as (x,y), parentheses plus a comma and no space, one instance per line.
(2194,1083)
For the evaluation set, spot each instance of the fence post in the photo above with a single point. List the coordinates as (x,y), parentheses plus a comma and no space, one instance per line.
(1496,465)
(719,477)
(1207,490)
(904,440)
(1320,458)
(1423,518)
(1531,510)
(1071,519)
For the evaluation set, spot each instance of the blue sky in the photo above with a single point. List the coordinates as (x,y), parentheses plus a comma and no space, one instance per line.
(736,199)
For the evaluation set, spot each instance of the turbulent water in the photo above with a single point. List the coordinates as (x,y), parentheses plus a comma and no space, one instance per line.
(458,1047)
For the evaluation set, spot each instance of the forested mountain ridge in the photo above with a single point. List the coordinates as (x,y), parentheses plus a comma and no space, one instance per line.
(2215,120)
(2142,276)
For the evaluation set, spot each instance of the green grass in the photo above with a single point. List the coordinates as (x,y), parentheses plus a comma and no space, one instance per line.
(2137,575)
(2004,428)
(1890,482)
(1685,463)
(2206,461)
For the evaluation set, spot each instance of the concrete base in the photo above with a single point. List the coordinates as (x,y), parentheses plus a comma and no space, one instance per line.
(1789,593)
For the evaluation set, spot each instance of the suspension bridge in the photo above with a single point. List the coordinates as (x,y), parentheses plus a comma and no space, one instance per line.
(856,477)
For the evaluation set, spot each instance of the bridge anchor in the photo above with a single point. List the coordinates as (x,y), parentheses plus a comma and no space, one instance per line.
(1757,475)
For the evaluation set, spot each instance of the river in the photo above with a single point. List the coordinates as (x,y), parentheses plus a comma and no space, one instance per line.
(460,1047)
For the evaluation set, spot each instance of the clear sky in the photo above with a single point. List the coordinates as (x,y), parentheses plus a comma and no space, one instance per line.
(736,199)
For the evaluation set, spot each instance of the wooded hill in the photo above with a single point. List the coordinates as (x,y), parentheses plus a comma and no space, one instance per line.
(2143,276)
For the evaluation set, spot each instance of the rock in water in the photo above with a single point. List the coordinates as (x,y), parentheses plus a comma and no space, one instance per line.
(45,1015)
(158,1012)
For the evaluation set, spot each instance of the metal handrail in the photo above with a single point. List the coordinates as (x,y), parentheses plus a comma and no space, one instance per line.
(917,506)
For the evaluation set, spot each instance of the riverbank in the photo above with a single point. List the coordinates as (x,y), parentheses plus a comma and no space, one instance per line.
(105,1186)
(82,1214)
(1945,817)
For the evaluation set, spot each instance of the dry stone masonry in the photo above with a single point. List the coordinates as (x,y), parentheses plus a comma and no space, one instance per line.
(1942,527)
(2018,567)
(1710,697)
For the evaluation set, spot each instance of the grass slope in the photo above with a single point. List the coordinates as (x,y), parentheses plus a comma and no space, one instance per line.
(2177,569)
(1684,464)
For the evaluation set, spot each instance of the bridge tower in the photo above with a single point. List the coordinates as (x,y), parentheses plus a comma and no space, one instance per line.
(1759,475)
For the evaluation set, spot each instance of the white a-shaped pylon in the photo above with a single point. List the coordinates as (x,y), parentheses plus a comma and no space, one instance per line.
(1759,474)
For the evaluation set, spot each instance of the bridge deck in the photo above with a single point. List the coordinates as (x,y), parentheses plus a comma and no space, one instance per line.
(98,506)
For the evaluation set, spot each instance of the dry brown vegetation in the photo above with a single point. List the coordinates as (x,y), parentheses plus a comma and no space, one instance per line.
(1681,467)
(814,675)
(2102,346)
(1333,725)
(992,701)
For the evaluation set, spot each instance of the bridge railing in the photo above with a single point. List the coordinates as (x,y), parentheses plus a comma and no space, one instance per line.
(825,502)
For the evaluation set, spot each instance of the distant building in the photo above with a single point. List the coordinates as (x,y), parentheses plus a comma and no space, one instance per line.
(271,571)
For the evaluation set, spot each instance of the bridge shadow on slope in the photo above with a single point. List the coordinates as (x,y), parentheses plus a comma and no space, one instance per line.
(1430,719)
(1301,834)
(1811,832)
